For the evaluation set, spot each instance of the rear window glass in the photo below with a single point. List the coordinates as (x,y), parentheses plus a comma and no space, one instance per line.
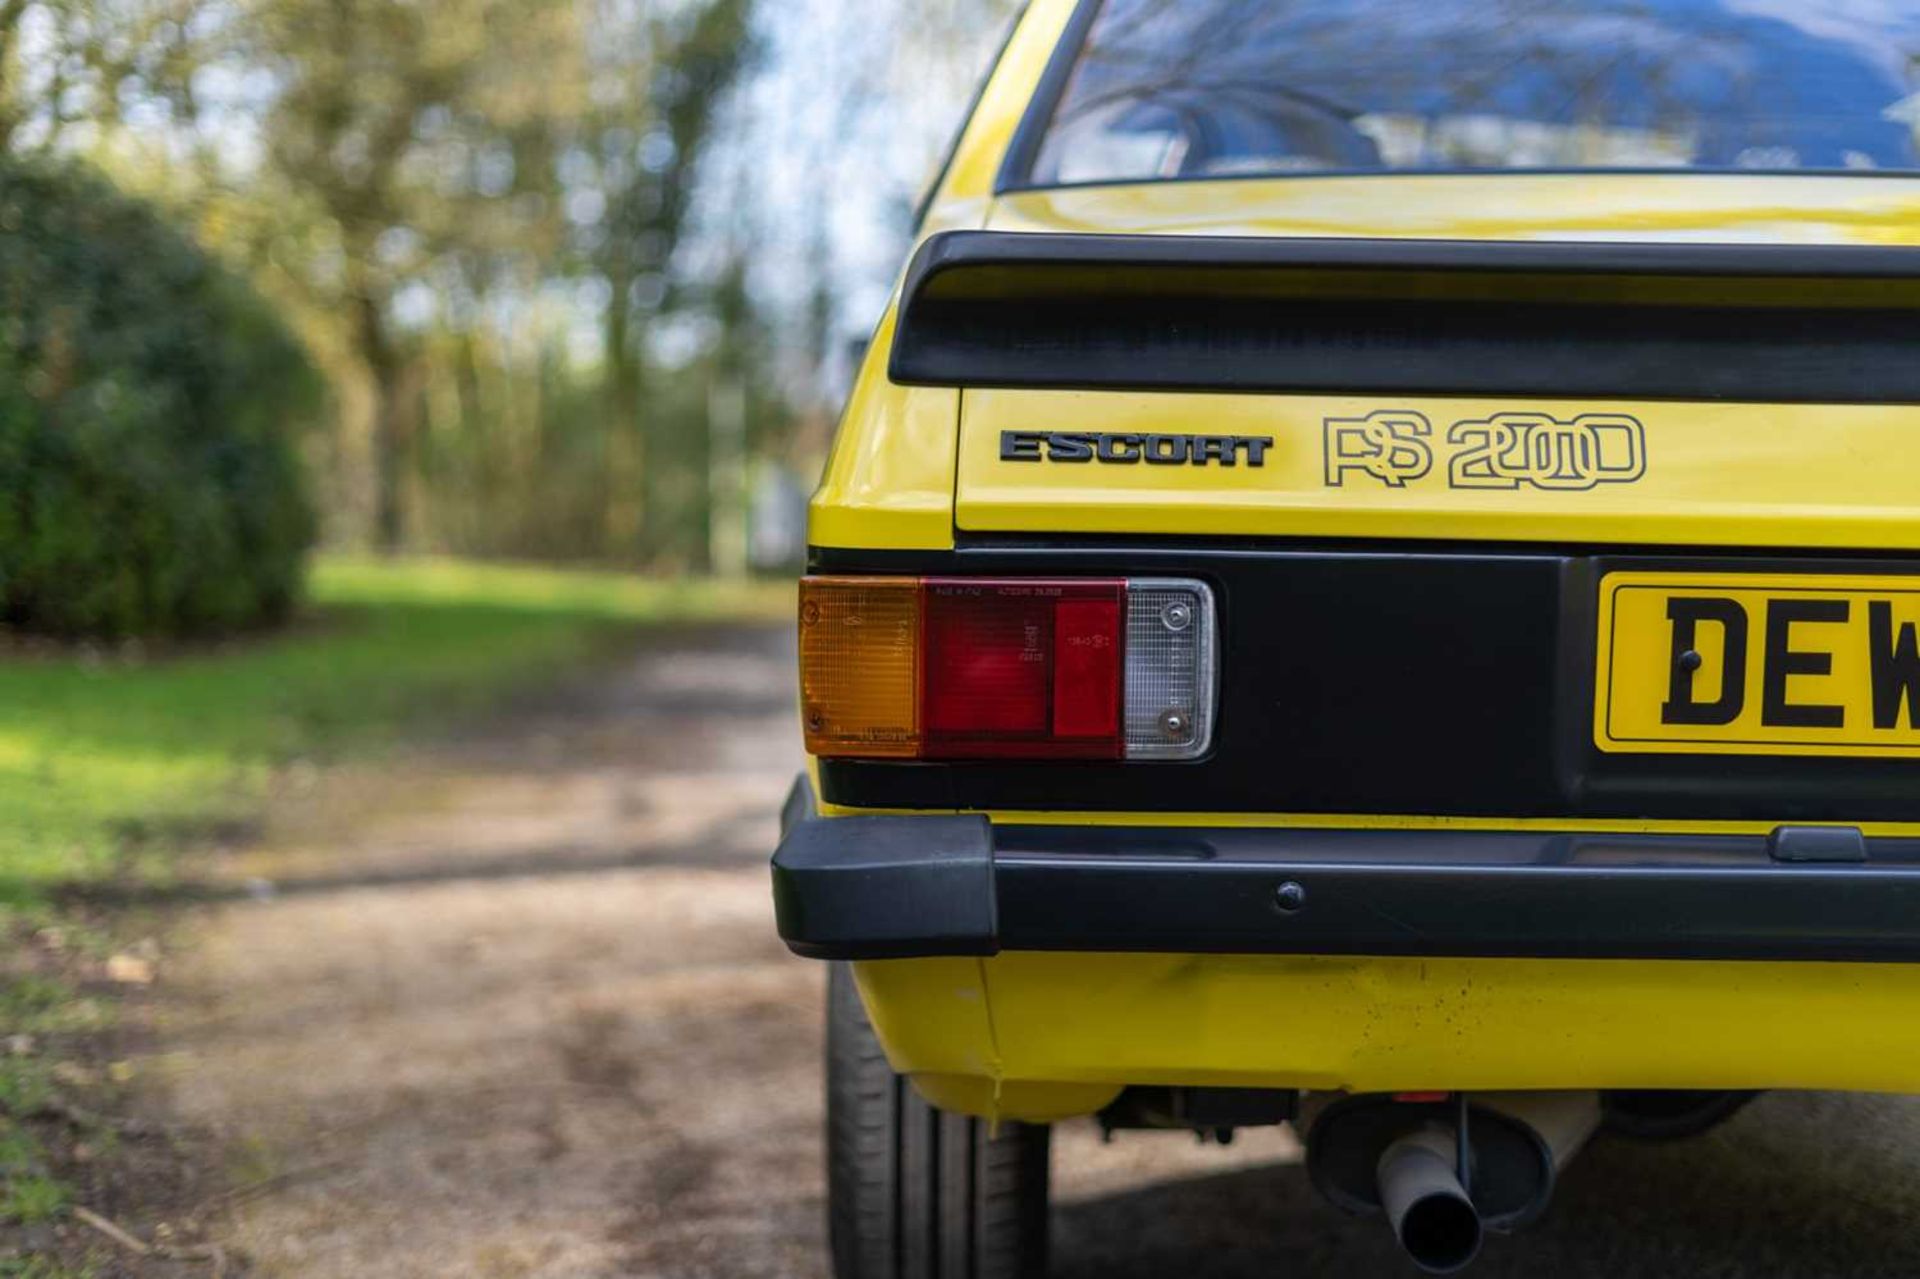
(1165,89)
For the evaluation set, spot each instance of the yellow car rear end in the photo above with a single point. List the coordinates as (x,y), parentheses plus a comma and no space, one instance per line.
(1426,653)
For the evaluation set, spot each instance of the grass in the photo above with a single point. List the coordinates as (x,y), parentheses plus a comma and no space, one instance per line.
(110,764)
(32,1199)
(29,1193)
(41,1268)
(103,758)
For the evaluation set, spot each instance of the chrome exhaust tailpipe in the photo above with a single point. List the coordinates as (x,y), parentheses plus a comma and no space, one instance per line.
(1429,1210)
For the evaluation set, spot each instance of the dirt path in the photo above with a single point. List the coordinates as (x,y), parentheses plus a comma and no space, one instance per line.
(515,1008)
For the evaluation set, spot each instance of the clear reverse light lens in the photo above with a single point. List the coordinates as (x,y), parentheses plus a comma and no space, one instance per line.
(1171,658)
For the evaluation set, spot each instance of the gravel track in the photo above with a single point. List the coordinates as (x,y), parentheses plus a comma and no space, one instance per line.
(514,1007)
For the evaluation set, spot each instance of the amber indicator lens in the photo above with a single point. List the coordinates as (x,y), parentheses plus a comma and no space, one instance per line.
(860,666)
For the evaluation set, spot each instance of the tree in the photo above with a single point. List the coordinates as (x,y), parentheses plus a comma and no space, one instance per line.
(417,133)
(446,154)
(89,58)
(150,408)
(658,74)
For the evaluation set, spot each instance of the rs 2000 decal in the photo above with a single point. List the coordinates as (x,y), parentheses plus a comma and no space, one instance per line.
(1398,447)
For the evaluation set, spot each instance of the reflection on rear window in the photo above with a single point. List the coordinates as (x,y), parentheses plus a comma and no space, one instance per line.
(1199,88)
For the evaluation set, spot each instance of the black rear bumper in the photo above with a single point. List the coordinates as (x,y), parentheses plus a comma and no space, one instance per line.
(895,887)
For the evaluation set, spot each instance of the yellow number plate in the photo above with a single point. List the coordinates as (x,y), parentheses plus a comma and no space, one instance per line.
(1758,664)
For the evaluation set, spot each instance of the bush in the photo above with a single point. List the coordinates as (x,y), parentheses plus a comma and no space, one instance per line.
(149,403)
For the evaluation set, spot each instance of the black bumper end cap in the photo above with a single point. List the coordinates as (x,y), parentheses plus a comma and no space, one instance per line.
(884,887)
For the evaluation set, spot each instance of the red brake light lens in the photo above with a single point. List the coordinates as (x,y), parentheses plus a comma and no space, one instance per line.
(1023,669)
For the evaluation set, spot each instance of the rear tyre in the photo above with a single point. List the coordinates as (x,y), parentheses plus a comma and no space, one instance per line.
(912,1191)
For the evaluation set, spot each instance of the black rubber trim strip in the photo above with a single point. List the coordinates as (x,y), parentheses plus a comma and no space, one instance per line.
(1246,314)
(1024,147)
(871,888)
(983,546)
(952,252)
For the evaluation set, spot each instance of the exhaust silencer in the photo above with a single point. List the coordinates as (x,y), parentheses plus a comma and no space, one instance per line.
(1429,1210)
(1369,1154)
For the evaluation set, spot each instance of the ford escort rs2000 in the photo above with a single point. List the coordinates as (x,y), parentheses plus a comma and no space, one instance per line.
(1370,580)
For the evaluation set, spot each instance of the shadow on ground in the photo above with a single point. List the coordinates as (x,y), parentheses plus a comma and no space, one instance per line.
(1806,1186)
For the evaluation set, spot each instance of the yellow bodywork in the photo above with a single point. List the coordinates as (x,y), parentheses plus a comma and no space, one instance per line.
(1041,1036)
(1715,475)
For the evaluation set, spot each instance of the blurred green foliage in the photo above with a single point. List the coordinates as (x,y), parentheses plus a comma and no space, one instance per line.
(482,214)
(106,760)
(149,408)
(578,276)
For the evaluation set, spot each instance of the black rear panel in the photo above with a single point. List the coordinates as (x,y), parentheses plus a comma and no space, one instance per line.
(1416,680)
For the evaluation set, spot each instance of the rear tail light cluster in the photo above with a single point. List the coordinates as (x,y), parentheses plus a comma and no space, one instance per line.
(1006,668)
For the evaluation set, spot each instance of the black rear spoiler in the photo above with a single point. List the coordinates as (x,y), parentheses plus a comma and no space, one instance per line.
(1805,323)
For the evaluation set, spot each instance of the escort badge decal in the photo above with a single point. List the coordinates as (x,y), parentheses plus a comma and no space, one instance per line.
(1127,448)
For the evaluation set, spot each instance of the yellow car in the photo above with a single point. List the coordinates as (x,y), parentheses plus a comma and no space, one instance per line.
(1370,579)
